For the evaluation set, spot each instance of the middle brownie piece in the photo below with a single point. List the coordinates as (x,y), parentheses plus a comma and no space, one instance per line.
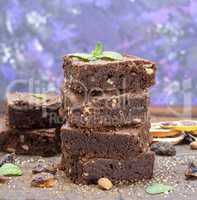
(105,109)
(121,143)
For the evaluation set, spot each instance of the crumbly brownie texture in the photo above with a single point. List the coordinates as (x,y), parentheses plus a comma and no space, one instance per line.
(105,110)
(88,171)
(115,143)
(130,74)
(29,111)
(3,131)
(41,142)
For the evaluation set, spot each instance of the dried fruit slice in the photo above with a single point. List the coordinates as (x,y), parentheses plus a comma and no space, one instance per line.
(168,124)
(183,125)
(194,133)
(44,168)
(163,133)
(43,180)
(173,140)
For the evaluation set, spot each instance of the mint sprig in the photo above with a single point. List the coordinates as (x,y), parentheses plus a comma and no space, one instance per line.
(82,56)
(38,96)
(97,54)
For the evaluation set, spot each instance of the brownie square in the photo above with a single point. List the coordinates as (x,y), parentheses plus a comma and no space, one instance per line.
(121,143)
(105,109)
(88,171)
(40,142)
(29,111)
(130,74)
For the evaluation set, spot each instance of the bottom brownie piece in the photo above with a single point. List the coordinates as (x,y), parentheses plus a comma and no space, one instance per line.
(40,142)
(88,171)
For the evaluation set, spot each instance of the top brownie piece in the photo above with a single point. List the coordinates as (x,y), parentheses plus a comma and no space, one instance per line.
(129,75)
(29,111)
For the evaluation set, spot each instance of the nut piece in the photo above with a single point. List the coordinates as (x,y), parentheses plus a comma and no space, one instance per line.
(149,71)
(25,147)
(105,183)
(193,145)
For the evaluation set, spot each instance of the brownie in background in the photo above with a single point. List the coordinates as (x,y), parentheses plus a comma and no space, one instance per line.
(40,142)
(33,111)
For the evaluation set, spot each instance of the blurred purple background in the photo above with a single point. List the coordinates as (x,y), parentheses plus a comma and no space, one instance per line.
(34,36)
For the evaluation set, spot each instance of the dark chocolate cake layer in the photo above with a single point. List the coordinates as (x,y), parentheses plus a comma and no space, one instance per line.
(115,143)
(88,171)
(105,110)
(130,74)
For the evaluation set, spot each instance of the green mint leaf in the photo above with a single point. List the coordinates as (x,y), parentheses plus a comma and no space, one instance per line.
(158,188)
(38,96)
(82,56)
(97,54)
(98,50)
(9,169)
(111,55)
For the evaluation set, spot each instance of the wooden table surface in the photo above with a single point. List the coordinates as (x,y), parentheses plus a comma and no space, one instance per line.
(169,170)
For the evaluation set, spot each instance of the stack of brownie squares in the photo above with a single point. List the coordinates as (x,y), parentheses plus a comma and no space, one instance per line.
(32,124)
(106,133)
